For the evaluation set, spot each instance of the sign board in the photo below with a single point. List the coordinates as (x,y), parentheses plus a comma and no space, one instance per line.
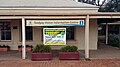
(55,23)
(54,36)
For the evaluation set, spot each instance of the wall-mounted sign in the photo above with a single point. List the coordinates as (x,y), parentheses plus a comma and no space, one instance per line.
(54,36)
(55,23)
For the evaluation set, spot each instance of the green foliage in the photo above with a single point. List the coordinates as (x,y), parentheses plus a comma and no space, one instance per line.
(42,48)
(46,48)
(74,48)
(111,6)
(114,40)
(69,48)
(36,48)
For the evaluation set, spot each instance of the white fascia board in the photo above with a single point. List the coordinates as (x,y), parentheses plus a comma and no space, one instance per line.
(39,17)
(42,8)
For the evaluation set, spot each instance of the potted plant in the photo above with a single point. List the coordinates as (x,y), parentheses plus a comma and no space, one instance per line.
(41,52)
(20,48)
(69,52)
(4,48)
(28,48)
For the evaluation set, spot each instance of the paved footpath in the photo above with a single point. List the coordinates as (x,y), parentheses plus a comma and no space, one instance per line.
(61,63)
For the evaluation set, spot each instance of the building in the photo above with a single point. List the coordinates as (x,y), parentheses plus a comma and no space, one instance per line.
(15,13)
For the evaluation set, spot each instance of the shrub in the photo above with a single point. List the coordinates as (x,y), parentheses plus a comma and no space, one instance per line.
(46,48)
(114,40)
(36,48)
(74,48)
(69,48)
(42,48)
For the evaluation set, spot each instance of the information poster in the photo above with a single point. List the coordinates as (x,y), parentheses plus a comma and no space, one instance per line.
(54,36)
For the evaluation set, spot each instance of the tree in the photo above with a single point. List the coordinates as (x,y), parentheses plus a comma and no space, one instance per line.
(93,2)
(111,6)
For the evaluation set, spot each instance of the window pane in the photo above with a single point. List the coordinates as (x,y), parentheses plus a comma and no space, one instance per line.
(29,33)
(70,33)
(5,35)
(5,25)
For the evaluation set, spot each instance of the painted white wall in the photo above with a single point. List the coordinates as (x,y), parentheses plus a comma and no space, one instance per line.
(37,36)
(80,36)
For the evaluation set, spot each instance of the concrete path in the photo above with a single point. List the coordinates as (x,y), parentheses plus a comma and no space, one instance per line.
(105,52)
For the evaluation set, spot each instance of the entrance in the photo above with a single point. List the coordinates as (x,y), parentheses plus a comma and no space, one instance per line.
(111,49)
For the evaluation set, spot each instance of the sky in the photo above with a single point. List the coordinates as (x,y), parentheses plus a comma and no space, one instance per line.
(101,1)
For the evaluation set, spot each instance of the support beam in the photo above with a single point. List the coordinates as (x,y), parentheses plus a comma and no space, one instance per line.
(106,37)
(23,39)
(87,38)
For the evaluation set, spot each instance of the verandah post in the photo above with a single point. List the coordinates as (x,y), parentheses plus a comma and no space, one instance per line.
(87,37)
(23,39)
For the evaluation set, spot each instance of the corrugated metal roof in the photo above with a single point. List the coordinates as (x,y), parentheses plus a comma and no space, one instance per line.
(44,4)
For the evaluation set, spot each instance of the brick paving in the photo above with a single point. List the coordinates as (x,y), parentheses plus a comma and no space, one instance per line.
(61,63)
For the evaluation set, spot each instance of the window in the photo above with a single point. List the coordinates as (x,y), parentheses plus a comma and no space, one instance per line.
(29,33)
(5,30)
(69,31)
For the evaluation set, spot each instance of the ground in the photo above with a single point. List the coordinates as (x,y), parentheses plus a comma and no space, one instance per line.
(105,56)
(61,63)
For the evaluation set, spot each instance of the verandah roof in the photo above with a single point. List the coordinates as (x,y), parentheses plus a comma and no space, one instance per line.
(44,4)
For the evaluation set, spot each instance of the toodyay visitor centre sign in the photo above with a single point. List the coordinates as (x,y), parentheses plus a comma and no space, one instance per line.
(55,23)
